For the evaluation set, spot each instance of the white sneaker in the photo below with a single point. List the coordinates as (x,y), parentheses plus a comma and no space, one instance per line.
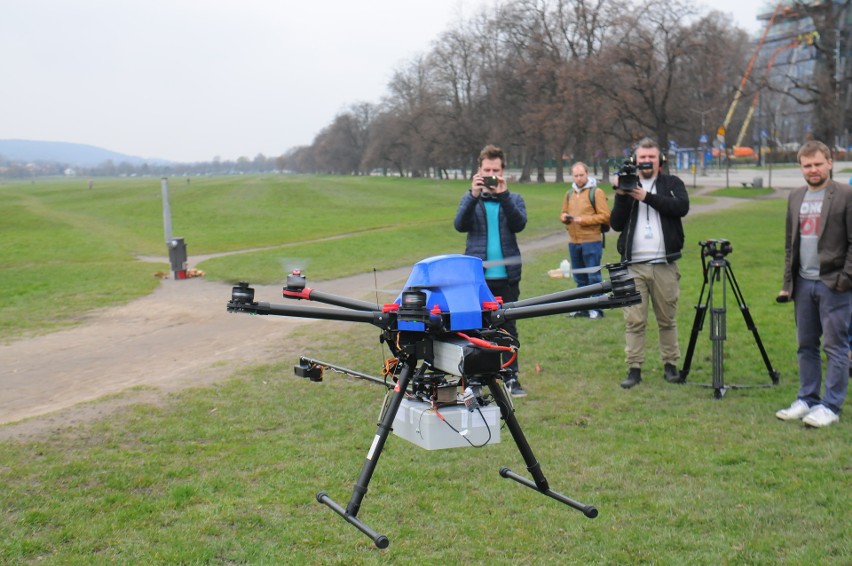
(821,416)
(797,410)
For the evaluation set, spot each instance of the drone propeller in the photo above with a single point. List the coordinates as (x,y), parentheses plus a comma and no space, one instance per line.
(514,260)
(291,264)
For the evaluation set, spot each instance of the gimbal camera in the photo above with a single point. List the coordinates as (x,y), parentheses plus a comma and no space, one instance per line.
(444,332)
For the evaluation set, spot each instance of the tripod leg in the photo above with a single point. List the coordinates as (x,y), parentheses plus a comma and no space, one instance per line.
(774,374)
(697,326)
(540,484)
(384,428)
(717,338)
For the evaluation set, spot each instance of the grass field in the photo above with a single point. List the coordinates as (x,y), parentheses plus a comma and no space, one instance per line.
(228,474)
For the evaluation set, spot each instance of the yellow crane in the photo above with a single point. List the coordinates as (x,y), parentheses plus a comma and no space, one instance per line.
(739,93)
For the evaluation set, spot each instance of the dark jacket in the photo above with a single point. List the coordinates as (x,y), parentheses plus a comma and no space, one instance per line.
(835,236)
(670,200)
(470,218)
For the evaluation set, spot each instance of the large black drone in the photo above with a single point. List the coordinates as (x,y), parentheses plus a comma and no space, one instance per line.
(444,332)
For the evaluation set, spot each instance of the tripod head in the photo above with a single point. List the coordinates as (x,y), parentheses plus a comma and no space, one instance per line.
(717,249)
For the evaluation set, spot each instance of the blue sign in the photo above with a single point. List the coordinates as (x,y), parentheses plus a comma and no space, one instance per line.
(703,138)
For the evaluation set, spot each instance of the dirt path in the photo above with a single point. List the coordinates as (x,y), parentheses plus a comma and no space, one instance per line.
(176,337)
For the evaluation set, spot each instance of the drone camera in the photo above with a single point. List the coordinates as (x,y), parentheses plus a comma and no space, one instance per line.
(308,370)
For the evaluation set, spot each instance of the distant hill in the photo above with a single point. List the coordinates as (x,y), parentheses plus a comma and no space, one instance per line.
(72,154)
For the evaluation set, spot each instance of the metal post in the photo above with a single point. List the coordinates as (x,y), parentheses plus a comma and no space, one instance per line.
(167,212)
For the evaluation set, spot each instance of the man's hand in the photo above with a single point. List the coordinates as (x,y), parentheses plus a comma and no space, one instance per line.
(783,297)
(476,186)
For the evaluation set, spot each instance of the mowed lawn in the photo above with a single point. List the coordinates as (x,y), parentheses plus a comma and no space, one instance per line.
(229,474)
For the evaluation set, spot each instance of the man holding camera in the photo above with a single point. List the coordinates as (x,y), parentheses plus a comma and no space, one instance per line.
(491,216)
(648,210)
(818,278)
(585,213)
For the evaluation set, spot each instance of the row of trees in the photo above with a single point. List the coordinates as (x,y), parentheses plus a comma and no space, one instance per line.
(551,78)
(12,169)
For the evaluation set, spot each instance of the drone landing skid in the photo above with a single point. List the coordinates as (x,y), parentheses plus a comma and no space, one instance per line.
(539,482)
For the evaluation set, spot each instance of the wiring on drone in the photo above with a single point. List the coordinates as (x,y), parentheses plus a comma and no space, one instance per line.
(492,346)
(454,429)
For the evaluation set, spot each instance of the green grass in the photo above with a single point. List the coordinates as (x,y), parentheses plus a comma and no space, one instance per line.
(228,474)
(67,249)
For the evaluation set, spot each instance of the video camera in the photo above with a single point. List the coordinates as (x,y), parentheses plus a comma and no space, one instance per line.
(717,249)
(628,179)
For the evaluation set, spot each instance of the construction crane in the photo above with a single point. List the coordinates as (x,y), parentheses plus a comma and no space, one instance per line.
(739,93)
(791,45)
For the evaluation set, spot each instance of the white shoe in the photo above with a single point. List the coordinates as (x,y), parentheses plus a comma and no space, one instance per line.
(797,410)
(821,416)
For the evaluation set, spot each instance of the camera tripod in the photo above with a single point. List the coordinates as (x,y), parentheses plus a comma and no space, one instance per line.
(716,269)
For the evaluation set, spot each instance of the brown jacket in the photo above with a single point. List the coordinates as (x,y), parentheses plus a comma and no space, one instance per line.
(581,205)
(835,238)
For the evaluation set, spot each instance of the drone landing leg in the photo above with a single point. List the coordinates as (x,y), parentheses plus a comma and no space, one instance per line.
(540,484)
(360,490)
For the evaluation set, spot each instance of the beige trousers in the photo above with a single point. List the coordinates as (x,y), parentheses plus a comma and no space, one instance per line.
(659,283)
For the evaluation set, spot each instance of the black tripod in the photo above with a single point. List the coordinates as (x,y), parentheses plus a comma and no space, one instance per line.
(719,268)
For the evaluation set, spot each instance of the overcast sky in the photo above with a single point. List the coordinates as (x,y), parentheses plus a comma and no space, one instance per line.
(189,80)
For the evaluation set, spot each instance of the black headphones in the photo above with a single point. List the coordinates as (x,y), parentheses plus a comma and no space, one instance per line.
(632,159)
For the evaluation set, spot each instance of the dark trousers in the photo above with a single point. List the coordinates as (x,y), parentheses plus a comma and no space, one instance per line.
(509,292)
(822,313)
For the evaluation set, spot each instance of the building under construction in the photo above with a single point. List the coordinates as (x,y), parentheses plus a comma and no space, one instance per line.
(796,85)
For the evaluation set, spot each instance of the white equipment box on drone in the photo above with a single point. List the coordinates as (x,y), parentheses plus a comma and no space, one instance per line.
(418,423)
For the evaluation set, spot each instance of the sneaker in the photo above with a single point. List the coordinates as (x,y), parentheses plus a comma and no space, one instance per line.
(634,376)
(671,374)
(820,416)
(579,314)
(514,388)
(595,314)
(799,409)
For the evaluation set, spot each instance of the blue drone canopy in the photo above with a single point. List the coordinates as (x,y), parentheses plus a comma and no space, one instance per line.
(454,283)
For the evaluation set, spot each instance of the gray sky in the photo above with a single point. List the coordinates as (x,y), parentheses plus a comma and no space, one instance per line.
(189,80)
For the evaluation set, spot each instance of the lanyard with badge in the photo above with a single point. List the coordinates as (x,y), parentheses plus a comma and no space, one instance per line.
(649,234)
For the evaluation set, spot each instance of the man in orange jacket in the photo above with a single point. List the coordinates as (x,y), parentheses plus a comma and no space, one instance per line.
(584,213)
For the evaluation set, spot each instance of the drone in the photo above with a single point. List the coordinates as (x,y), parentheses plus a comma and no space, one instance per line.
(444,331)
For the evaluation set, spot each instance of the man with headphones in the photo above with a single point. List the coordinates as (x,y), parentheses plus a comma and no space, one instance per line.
(649,219)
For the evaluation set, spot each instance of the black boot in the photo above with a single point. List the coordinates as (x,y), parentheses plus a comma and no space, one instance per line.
(671,374)
(634,376)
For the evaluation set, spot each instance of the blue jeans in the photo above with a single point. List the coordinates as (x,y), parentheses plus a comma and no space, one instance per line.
(586,255)
(822,312)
